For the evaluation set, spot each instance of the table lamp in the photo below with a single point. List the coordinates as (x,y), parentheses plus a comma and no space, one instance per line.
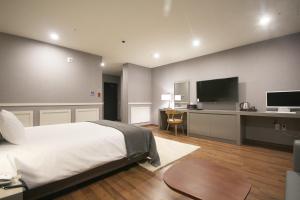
(177,97)
(166,97)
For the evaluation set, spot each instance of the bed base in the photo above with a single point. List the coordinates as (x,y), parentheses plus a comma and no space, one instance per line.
(45,191)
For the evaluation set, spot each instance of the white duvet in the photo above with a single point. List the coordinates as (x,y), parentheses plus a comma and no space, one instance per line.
(56,152)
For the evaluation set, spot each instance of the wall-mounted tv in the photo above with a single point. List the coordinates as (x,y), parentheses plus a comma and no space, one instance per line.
(218,90)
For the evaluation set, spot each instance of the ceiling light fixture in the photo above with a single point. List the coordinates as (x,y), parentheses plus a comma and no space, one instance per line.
(102,64)
(264,20)
(54,36)
(156,55)
(196,42)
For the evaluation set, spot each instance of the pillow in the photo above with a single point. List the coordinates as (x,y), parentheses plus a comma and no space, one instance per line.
(11,128)
(1,137)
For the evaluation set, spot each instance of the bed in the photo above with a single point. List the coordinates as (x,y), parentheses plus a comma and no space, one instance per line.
(55,157)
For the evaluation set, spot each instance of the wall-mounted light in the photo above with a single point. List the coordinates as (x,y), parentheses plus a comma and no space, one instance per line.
(102,64)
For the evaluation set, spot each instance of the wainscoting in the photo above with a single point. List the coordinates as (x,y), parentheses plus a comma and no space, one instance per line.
(48,117)
(35,114)
(87,114)
(139,112)
(26,117)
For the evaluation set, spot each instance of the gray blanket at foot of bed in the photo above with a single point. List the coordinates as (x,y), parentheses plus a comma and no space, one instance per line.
(138,140)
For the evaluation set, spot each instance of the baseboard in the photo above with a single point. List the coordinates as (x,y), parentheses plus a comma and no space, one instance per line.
(141,124)
(280,147)
(150,125)
(212,138)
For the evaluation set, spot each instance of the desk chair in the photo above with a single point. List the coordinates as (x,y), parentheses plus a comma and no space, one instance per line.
(175,118)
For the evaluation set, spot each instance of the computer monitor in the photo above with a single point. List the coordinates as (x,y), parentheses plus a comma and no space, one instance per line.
(284,101)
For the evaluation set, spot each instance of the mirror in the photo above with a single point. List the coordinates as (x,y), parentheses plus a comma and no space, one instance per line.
(181,94)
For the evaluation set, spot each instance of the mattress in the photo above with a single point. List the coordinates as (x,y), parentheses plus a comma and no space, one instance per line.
(56,152)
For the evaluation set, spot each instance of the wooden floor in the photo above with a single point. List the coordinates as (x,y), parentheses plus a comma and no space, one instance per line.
(264,168)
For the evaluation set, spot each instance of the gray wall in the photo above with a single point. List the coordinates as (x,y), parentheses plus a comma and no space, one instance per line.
(36,72)
(110,79)
(124,94)
(114,79)
(136,87)
(268,65)
(139,84)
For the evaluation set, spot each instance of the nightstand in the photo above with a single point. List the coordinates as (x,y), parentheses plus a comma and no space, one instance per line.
(12,194)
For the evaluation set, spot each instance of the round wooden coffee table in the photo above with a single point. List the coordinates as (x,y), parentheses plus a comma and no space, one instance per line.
(202,179)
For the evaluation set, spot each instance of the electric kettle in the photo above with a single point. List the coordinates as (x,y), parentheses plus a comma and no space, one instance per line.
(245,106)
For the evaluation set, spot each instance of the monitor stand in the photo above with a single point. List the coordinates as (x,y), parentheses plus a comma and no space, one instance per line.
(285,110)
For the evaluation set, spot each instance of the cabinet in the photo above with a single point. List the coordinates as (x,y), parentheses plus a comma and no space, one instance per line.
(223,126)
(199,124)
(238,126)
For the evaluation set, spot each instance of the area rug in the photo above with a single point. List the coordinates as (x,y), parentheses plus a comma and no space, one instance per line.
(169,151)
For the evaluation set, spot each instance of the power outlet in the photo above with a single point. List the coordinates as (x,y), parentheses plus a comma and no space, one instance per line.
(277,125)
(283,127)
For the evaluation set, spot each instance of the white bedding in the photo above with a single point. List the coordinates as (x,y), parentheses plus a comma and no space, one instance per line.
(55,152)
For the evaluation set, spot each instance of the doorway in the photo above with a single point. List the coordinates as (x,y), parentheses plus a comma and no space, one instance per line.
(111,101)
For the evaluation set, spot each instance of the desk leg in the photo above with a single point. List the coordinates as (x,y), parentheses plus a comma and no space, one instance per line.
(238,130)
(241,129)
(162,120)
(187,124)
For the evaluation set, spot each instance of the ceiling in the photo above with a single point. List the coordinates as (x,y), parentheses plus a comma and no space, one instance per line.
(148,26)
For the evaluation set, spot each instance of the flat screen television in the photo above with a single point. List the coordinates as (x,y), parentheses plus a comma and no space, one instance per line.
(218,90)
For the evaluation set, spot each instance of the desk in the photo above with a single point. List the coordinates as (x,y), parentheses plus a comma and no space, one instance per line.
(239,126)
(163,118)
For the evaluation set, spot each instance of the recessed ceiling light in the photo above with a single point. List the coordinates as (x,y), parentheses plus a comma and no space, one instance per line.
(54,36)
(196,42)
(102,64)
(156,55)
(264,20)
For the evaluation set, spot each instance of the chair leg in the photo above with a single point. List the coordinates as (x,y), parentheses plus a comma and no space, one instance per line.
(176,129)
(182,128)
(168,127)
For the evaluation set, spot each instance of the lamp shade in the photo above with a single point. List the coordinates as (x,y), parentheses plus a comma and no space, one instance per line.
(166,97)
(177,97)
